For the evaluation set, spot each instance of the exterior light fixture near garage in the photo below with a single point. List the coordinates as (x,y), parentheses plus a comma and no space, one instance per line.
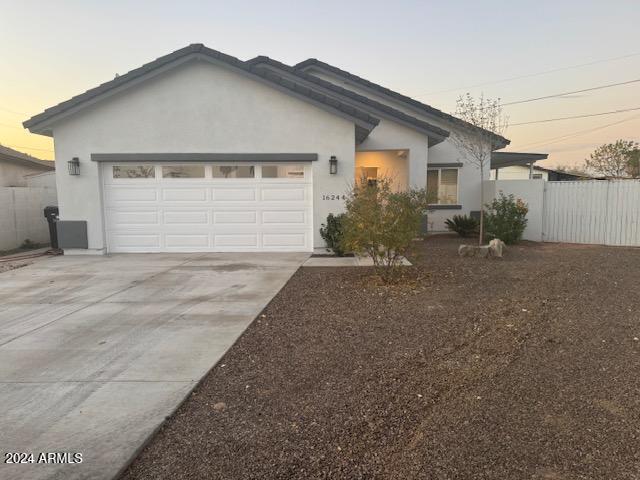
(74,166)
(333,165)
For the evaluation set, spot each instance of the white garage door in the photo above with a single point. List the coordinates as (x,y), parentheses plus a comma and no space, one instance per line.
(208,207)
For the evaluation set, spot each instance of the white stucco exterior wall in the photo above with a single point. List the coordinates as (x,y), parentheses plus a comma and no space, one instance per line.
(445,152)
(389,135)
(517,172)
(198,107)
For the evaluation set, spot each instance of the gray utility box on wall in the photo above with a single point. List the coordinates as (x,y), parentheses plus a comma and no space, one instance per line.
(72,234)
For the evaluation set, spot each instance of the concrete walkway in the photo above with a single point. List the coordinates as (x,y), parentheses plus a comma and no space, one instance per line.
(96,351)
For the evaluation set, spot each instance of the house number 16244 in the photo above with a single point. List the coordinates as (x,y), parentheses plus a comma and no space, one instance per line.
(334,197)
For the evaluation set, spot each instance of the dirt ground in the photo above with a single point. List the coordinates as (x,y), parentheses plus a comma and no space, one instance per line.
(521,368)
(20,257)
(13,264)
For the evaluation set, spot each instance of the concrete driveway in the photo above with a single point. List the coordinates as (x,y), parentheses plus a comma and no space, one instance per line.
(96,351)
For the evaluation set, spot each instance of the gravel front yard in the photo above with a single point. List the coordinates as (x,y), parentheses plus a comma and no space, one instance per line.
(525,367)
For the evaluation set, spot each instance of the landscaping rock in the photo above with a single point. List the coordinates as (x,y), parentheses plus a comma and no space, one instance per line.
(495,247)
(220,406)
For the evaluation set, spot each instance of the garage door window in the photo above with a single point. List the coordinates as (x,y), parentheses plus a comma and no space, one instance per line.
(282,171)
(228,171)
(183,171)
(134,171)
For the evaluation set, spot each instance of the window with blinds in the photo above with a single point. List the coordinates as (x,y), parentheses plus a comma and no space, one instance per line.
(442,185)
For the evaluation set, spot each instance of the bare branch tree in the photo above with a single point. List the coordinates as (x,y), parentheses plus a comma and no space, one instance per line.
(476,138)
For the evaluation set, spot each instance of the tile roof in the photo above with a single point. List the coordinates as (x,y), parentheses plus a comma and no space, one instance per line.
(500,141)
(363,120)
(433,131)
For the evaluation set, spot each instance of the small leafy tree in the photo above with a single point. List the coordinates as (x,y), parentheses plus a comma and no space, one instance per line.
(506,218)
(633,163)
(483,124)
(332,233)
(382,223)
(618,159)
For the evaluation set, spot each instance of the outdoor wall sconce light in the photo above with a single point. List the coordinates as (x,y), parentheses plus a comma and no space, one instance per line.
(74,166)
(333,165)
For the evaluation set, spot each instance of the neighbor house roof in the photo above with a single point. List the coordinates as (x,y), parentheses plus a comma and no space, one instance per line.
(500,141)
(507,159)
(434,133)
(363,120)
(14,156)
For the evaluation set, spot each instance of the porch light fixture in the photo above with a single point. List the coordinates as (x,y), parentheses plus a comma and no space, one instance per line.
(333,165)
(74,166)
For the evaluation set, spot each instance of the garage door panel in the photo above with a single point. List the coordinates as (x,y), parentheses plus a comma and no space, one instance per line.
(183,217)
(235,217)
(186,241)
(270,194)
(119,194)
(236,240)
(238,194)
(189,194)
(284,240)
(119,217)
(283,217)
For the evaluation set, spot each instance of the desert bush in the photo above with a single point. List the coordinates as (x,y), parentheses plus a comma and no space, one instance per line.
(332,233)
(463,225)
(505,218)
(382,223)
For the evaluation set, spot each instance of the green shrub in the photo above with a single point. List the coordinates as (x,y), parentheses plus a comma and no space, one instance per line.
(463,225)
(332,233)
(382,223)
(505,218)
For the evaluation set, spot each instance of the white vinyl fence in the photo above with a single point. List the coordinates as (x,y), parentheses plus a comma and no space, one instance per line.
(592,212)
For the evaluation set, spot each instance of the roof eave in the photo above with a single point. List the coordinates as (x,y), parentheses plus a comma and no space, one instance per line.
(42,122)
(509,159)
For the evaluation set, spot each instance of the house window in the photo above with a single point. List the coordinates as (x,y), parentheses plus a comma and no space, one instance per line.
(282,171)
(134,171)
(233,171)
(183,171)
(442,184)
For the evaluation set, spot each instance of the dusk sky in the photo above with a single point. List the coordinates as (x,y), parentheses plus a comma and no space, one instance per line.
(432,51)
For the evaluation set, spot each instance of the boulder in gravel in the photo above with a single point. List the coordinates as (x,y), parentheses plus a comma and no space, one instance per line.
(219,406)
(495,247)
(483,251)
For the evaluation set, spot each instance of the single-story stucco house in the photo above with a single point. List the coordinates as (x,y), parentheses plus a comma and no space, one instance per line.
(521,166)
(16,167)
(200,151)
